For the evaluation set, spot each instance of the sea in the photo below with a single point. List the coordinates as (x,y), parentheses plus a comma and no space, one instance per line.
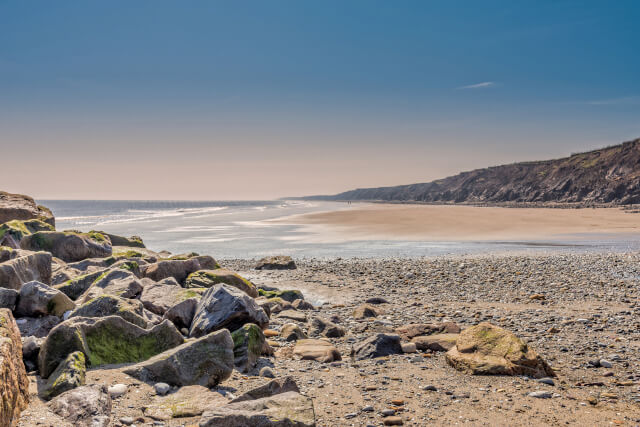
(246,229)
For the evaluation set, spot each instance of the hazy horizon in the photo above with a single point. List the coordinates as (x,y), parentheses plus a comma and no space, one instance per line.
(155,100)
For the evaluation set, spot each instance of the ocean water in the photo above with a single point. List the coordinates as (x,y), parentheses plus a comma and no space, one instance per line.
(244,229)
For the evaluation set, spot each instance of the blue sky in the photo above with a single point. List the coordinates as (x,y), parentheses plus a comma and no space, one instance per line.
(261,99)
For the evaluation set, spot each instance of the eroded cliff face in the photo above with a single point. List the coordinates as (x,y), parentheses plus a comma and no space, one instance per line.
(21,207)
(607,176)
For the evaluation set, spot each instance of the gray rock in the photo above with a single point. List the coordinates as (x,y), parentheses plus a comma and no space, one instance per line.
(118,282)
(38,327)
(109,305)
(292,332)
(267,372)
(162,388)
(224,306)
(248,343)
(69,374)
(178,269)
(205,361)
(324,327)
(38,299)
(68,246)
(8,298)
(541,394)
(86,406)
(158,298)
(280,262)
(25,268)
(117,390)
(377,346)
(276,386)
(182,313)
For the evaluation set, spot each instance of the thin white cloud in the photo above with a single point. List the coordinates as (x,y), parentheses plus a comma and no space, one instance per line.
(481,85)
(627,100)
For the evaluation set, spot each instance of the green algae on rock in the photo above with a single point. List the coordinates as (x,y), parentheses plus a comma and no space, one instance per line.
(69,374)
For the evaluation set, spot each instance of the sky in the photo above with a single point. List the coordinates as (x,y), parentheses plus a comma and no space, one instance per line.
(219,100)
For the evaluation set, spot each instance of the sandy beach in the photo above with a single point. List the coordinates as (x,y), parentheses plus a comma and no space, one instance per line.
(468,223)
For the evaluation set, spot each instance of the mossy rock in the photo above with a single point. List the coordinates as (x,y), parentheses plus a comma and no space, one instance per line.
(109,305)
(70,246)
(17,229)
(209,278)
(74,288)
(69,374)
(133,241)
(289,295)
(248,342)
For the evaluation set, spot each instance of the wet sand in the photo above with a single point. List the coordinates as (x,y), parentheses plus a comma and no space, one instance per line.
(469,223)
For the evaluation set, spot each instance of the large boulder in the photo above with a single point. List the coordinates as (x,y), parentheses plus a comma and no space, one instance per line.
(86,406)
(104,341)
(179,269)
(280,262)
(14,385)
(25,268)
(208,278)
(130,310)
(319,350)
(69,246)
(290,409)
(69,374)
(18,206)
(118,282)
(486,349)
(248,342)
(38,299)
(378,345)
(12,232)
(204,361)
(159,297)
(224,306)
(133,241)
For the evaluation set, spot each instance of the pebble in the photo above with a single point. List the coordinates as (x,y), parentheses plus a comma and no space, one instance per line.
(267,372)
(117,390)
(126,420)
(541,394)
(546,380)
(388,412)
(605,363)
(162,388)
(392,421)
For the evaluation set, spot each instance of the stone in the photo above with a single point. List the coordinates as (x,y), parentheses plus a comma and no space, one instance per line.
(25,268)
(8,298)
(104,341)
(392,421)
(541,394)
(289,295)
(109,305)
(117,390)
(292,332)
(182,313)
(189,401)
(266,372)
(12,232)
(486,349)
(378,345)
(324,327)
(86,406)
(67,245)
(14,384)
(118,282)
(133,241)
(407,332)
(301,304)
(318,350)
(224,306)
(162,388)
(208,278)
(276,386)
(30,350)
(279,262)
(365,311)
(205,361)
(437,342)
(76,286)
(293,315)
(605,363)
(376,300)
(69,374)
(289,409)
(21,207)
(409,347)
(38,299)
(38,327)
(179,269)
(158,297)
(248,343)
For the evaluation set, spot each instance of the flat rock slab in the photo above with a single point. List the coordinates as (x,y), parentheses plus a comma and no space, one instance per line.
(87,406)
(189,401)
(407,332)
(437,342)
(318,350)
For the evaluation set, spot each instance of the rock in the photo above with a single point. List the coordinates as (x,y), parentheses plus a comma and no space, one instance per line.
(280,262)
(292,332)
(68,246)
(69,374)
(38,327)
(301,304)
(105,340)
(392,421)
(12,232)
(86,406)
(224,306)
(376,300)
(189,401)
(276,386)
(133,241)
(605,363)
(282,410)
(321,326)
(365,311)
(76,286)
(486,349)
(38,299)
(437,342)
(117,390)
(407,332)
(205,361)
(289,295)
(248,342)
(162,388)
(30,350)
(409,347)
(118,282)
(293,315)
(378,345)
(158,297)
(541,394)
(8,298)
(14,384)
(21,207)
(208,278)
(182,313)
(108,305)
(267,372)
(25,268)
(318,350)
(179,269)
